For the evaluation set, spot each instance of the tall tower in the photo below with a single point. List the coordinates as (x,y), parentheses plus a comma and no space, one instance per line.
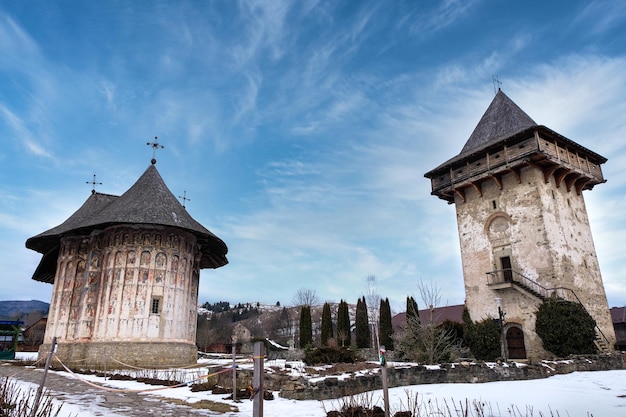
(125,272)
(523,226)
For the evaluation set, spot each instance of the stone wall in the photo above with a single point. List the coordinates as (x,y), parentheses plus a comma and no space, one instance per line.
(123,355)
(333,387)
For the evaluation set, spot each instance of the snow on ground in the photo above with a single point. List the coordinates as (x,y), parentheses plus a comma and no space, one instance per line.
(579,394)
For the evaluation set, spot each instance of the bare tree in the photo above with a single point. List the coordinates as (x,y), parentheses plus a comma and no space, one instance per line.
(423,340)
(305,297)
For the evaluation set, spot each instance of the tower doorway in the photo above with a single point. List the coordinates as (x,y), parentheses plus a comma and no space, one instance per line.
(515,343)
(507,271)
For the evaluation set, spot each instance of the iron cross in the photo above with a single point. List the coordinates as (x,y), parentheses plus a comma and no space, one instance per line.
(94,183)
(184,198)
(155,145)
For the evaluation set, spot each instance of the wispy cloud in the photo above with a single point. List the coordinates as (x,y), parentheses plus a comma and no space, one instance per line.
(602,15)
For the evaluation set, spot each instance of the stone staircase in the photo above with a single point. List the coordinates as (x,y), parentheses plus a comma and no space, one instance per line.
(512,279)
(601,343)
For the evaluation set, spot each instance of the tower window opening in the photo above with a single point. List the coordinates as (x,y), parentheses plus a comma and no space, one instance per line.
(155,306)
(494,204)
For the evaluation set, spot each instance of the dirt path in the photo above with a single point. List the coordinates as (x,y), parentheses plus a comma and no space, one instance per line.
(100,402)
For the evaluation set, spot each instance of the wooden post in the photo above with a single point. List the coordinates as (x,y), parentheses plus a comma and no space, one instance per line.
(383,365)
(257,404)
(234,350)
(43,380)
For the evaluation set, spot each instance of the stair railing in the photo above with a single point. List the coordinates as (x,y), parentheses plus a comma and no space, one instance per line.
(501,276)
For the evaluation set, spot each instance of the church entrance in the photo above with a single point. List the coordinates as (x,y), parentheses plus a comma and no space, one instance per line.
(515,343)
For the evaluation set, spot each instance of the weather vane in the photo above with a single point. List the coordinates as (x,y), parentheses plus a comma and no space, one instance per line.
(184,198)
(93,184)
(496,82)
(155,145)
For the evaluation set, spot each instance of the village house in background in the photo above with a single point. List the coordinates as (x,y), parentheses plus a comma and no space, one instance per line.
(523,225)
(618,314)
(125,272)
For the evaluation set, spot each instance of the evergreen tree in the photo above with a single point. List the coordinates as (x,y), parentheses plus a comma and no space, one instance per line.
(343,324)
(565,328)
(327,325)
(306,328)
(468,328)
(412,311)
(362,326)
(385,326)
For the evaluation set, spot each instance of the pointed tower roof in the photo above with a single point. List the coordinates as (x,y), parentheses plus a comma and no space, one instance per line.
(502,119)
(507,139)
(147,202)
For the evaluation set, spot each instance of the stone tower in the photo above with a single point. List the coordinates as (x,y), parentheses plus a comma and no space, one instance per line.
(523,226)
(125,274)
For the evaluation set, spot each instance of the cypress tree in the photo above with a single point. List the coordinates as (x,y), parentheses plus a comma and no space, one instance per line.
(343,324)
(362,327)
(327,325)
(385,326)
(306,328)
(412,311)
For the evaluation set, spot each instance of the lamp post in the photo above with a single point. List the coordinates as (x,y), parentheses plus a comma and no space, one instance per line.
(502,335)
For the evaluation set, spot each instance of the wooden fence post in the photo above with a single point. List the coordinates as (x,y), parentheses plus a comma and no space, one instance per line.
(43,380)
(257,404)
(383,365)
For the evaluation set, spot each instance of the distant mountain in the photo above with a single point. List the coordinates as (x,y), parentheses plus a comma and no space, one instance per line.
(19,309)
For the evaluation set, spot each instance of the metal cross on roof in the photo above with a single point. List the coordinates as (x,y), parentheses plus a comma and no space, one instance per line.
(155,145)
(93,183)
(497,82)
(184,198)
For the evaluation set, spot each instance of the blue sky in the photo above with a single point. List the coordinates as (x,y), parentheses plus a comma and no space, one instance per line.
(299,130)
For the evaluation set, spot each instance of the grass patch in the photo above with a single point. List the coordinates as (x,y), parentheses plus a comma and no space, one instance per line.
(206,405)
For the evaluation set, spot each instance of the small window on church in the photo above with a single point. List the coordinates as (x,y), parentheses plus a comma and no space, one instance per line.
(494,204)
(156,303)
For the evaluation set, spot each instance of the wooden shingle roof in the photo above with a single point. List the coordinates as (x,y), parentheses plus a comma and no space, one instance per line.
(147,202)
(502,119)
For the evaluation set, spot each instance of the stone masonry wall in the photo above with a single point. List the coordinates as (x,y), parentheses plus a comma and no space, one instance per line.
(121,355)
(333,387)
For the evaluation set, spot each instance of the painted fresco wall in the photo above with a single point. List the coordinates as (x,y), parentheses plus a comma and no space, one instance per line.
(126,284)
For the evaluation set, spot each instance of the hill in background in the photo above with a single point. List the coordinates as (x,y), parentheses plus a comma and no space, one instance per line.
(19,310)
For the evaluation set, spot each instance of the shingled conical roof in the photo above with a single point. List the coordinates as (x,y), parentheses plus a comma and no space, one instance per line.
(147,202)
(502,119)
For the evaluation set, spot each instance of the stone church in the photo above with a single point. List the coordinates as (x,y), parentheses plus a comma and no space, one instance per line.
(523,227)
(125,272)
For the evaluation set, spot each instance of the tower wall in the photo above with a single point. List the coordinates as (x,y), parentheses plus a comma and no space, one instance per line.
(544,231)
(124,291)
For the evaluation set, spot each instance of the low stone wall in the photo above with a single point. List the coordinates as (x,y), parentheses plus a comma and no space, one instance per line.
(333,387)
(121,355)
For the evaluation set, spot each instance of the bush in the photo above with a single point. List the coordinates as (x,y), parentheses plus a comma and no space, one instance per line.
(565,328)
(484,339)
(326,355)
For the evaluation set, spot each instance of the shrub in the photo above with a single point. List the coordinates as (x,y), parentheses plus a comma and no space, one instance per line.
(565,328)
(483,339)
(326,355)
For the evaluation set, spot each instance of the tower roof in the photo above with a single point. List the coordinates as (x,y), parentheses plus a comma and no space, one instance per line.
(147,202)
(502,119)
(506,139)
